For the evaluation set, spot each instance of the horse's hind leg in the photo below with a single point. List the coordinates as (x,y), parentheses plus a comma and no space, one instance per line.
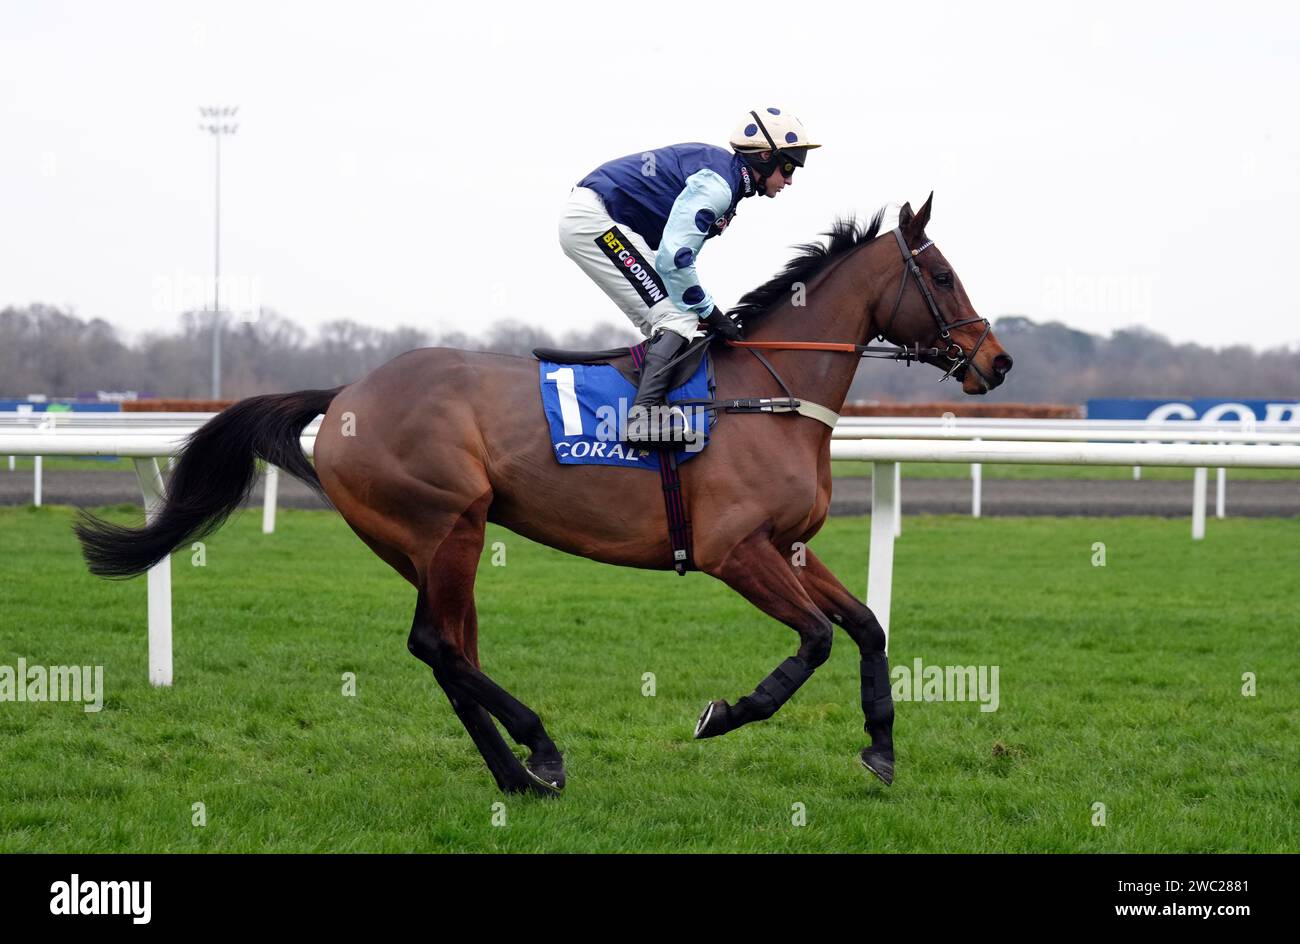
(435,641)
(842,607)
(759,572)
(545,764)
(444,635)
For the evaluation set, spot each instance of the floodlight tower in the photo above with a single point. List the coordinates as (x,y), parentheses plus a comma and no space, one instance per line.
(217,121)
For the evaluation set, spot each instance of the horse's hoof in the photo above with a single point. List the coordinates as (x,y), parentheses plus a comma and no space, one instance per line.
(548,773)
(880,763)
(714,720)
(539,787)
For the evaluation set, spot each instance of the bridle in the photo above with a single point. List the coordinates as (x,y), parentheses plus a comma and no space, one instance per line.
(953,351)
(906,354)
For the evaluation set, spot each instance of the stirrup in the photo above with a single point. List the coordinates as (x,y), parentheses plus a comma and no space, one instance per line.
(660,425)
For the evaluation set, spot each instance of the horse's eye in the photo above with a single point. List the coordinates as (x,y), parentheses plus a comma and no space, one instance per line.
(943,278)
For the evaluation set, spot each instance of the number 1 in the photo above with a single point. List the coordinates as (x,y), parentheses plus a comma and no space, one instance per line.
(569,411)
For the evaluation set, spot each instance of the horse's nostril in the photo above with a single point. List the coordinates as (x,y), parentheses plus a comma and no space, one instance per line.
(1002,363)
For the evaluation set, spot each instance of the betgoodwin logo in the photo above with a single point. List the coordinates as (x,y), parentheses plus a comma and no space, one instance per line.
(640,274)
(81,683)
(747,180)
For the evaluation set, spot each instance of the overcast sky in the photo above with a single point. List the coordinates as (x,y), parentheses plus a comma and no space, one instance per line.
(1102,164)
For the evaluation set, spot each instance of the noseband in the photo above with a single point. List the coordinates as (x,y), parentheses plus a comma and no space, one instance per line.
(953,350)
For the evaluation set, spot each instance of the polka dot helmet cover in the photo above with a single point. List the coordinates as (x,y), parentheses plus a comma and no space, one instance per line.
(786,130)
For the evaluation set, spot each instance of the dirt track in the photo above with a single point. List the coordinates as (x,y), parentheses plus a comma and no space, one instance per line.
(852,495)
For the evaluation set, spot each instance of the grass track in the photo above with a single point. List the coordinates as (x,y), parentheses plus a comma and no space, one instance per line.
(1119,684)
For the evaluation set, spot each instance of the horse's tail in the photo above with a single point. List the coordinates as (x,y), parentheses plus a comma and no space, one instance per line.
(212,477)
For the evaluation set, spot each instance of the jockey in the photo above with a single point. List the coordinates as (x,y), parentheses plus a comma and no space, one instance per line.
(636,225)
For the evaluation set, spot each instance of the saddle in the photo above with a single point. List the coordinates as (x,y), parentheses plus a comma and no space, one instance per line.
(626,363)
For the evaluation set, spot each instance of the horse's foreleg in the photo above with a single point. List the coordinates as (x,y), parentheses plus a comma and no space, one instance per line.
(842,607)
(757,571)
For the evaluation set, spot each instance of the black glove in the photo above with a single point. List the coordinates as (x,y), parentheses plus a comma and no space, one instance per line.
(724,325)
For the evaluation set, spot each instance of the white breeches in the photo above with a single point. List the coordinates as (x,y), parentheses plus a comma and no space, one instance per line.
(622,264)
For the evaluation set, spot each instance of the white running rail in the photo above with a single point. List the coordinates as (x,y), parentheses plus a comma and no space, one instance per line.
(145,438)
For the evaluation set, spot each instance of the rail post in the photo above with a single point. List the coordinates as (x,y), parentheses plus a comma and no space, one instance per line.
(160,581)
(1198,504)
(269,496)
(880,568)
(898,499)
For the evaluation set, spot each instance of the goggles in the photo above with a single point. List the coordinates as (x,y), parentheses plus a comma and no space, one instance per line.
(788,160)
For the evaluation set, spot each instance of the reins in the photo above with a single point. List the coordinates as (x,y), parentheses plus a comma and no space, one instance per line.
(906,354)
(954,353)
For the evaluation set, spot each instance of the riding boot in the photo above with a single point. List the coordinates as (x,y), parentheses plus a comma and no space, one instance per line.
(652,425)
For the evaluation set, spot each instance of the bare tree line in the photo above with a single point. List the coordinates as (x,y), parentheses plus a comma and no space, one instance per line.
(48,351)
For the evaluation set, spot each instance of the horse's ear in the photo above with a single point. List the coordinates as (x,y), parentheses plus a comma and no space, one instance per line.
(905,216)
(923,217)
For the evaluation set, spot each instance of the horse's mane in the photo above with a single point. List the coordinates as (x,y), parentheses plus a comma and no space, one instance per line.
(844,235)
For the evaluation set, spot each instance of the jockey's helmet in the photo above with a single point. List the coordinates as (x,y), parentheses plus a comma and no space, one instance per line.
(772,129)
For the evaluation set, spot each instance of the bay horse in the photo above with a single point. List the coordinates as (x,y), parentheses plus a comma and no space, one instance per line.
(420,454)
